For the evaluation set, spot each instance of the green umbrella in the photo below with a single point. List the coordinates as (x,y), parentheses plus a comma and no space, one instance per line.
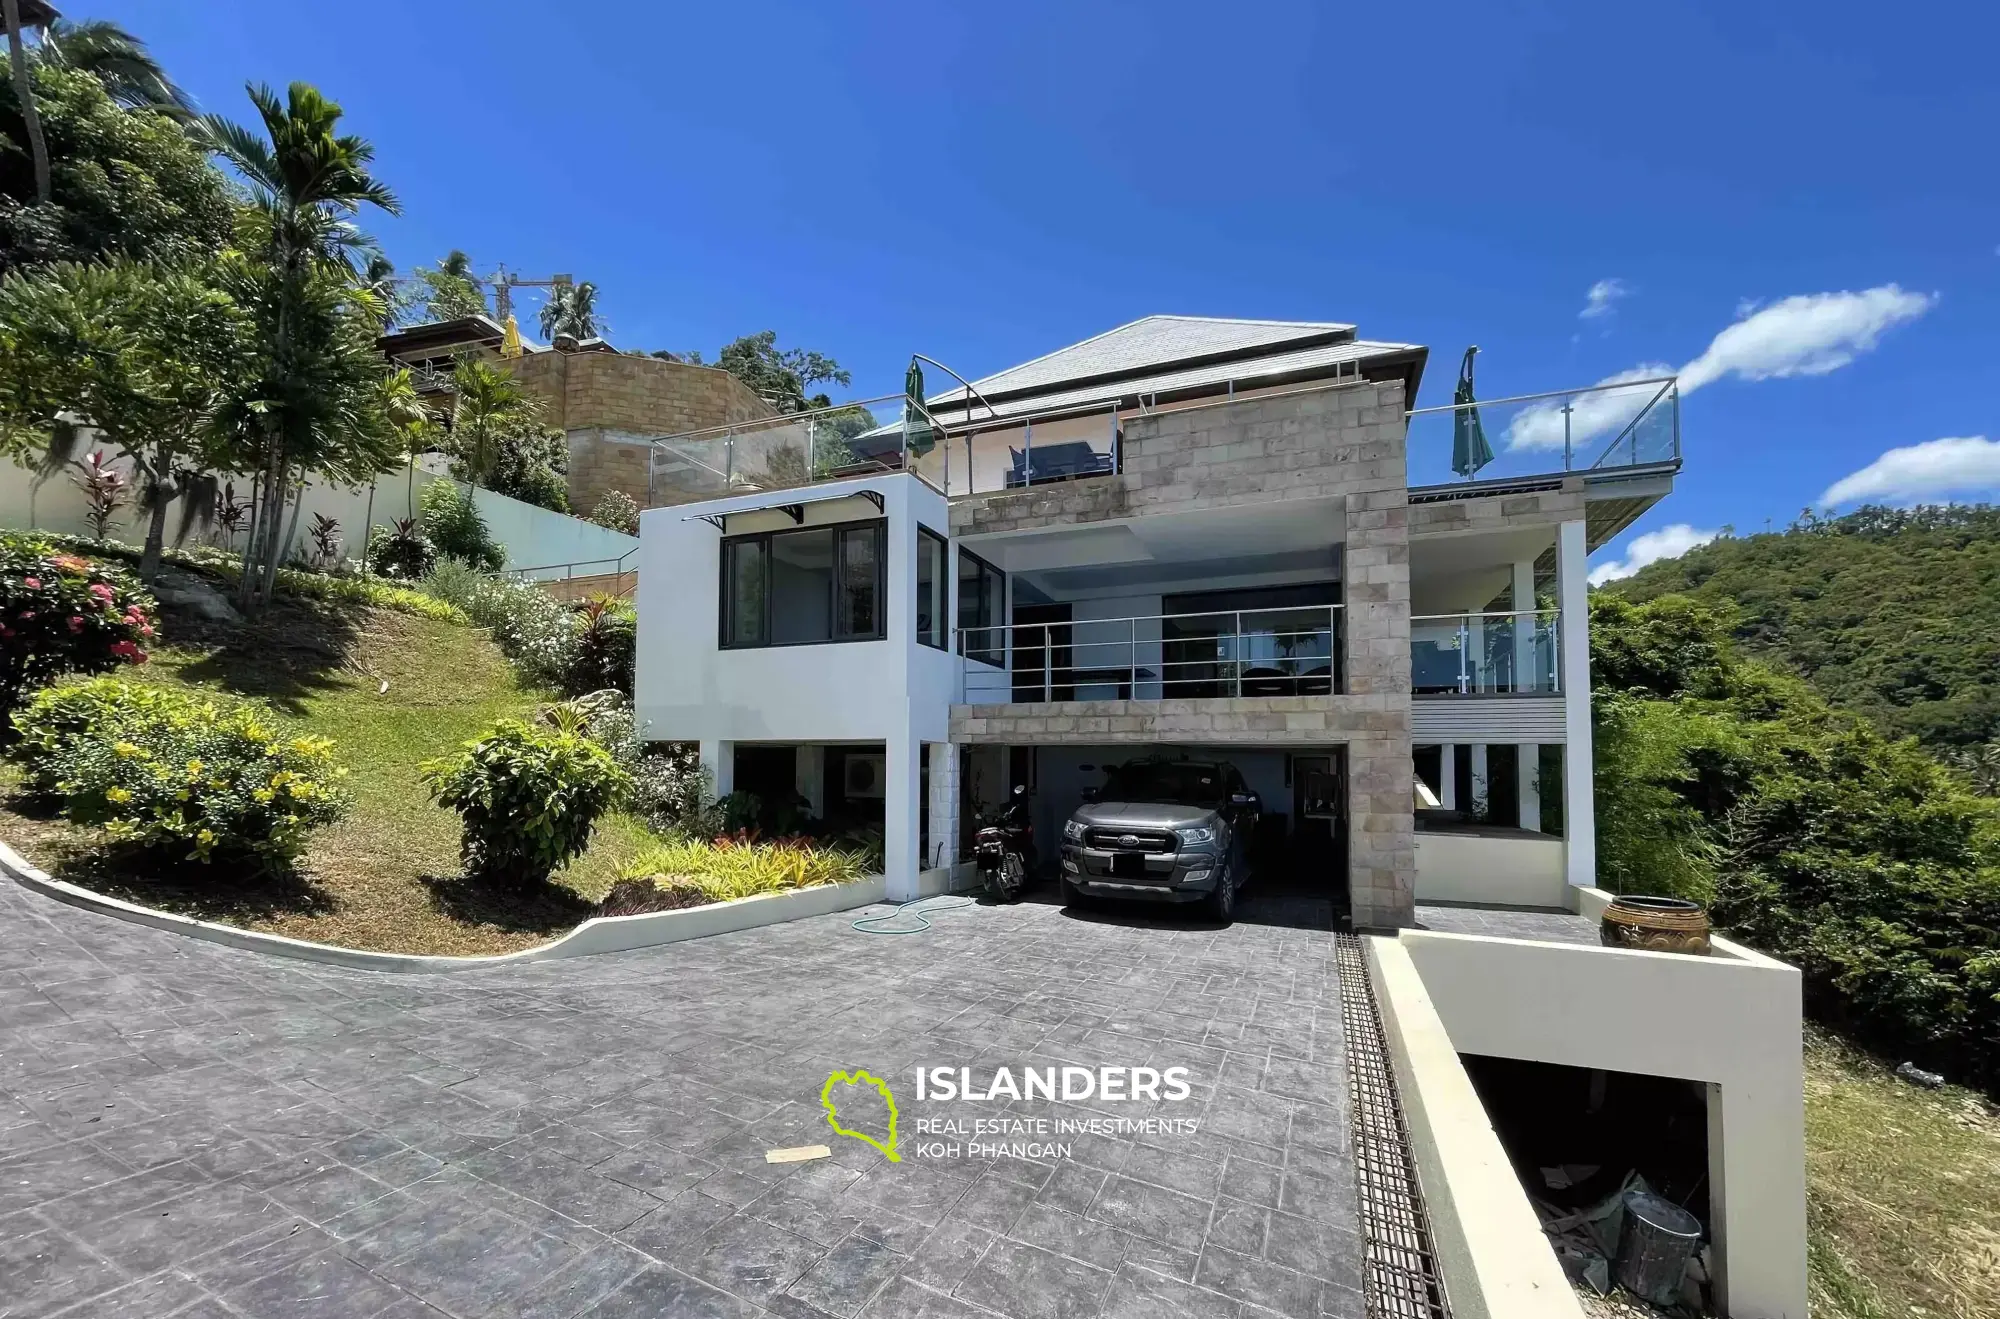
(917,434)
(1469,449)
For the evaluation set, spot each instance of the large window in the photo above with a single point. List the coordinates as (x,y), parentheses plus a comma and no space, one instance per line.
(795,588)
(933,588)
(982,608)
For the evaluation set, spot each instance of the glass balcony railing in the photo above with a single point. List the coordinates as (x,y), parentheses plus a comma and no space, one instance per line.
(1251,652)
(1485,654)
(777,453)
(1619,424)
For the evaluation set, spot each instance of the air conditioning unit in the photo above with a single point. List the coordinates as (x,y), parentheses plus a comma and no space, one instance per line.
(866,775)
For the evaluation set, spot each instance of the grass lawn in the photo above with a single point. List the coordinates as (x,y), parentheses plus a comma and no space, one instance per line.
(1903,1189)
(386,877)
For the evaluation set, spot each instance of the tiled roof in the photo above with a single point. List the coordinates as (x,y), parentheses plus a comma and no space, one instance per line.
(1153,342)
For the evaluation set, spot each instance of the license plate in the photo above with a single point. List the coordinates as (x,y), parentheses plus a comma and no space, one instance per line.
(1128,865)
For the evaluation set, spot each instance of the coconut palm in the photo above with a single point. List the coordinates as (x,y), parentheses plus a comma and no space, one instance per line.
(306,183)
(24,94)
(571,310)
(117,59)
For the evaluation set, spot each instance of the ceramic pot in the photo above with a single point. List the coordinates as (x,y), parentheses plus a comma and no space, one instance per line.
(1660,925)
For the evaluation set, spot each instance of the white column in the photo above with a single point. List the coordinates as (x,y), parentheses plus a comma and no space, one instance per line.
(1477,674)
(1448,777)
(1481,800)
(901,817)
(941,848)
(1523,624)
(810,778)
(1579,801)
(719,759)
(1528,765)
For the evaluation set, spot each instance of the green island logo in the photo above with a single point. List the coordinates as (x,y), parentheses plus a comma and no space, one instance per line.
(826,1102)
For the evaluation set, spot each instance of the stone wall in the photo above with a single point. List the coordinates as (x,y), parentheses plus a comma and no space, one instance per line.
(609,403)
(1563,501)
(1343,443)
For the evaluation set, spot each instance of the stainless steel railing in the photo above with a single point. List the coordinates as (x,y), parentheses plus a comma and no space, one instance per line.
(1292,651)
(1484,653)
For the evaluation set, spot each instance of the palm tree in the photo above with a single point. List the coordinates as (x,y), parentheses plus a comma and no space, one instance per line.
(17,58)
(117,59)
(570,310)
(306,184)
(488,401)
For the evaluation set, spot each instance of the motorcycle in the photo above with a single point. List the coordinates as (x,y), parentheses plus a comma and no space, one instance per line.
(1004,849)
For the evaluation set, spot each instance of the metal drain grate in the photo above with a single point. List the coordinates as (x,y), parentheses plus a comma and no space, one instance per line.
(1400,1268)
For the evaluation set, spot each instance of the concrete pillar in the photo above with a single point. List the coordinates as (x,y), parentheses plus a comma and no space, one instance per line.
(1481,803)
(719,759)
(1523,626)
(1528,762)
(1579,799)
(1448,777)
(811,778)
(941,847)
(901,816)
(1478,673)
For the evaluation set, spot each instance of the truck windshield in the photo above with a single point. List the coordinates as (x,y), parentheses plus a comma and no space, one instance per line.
(1147,781)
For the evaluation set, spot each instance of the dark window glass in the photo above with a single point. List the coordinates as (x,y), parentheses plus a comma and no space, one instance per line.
(860,572)
(932,583)
(802,586)
(744,581)
(982,608)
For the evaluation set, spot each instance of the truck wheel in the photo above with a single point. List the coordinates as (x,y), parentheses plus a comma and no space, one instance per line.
(1221,904)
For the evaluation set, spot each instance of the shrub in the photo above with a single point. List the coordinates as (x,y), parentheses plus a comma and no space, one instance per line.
(401,551)
(672,791)
(617,511)
(452,521)
(63,614)
(533,629)
(740,866)
(638,897)
(179,776)
(528,797)
(606,648)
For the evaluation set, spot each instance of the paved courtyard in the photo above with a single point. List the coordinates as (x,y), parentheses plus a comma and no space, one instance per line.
(191,1131)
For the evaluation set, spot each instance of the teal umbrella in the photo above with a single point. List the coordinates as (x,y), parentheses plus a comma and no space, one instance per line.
(1469,449)
(918,438)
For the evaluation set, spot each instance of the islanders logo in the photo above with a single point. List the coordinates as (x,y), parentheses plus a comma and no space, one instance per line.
(828,1102)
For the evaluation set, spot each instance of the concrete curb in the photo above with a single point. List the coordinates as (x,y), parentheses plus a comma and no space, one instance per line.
(600,934)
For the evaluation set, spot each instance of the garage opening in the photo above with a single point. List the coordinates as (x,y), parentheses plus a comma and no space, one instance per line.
(1296,847)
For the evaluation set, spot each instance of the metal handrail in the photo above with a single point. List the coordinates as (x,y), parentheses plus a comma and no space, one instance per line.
(1155,618)
(1469,681)
(569,569)
(1536,398)
(775,420)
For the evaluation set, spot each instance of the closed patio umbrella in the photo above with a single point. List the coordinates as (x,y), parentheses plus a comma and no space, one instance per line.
(1469,449)
(917,434)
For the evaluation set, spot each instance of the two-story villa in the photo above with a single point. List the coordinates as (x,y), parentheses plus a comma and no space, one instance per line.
(1186,537)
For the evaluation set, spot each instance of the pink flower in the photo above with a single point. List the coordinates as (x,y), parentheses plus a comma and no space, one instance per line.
(100,590)
(76,622)
(125,650)
(32,583)
(27,614)
(145,630)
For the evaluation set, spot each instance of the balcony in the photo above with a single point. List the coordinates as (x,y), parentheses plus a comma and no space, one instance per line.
(1293,651)
(1486,654)
(1602,428)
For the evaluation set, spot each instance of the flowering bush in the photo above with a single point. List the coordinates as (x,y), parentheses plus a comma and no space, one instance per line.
(607,643)
(178,775)
(528,797)
(536,631)
(400,551)
(617,511)
(63,614)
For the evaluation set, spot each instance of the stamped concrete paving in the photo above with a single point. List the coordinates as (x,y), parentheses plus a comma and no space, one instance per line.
(191,1131)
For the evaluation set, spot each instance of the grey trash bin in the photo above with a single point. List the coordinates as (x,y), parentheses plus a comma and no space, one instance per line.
(1654,1246)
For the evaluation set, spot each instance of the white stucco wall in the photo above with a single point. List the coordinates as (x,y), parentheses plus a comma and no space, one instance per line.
(1508,872)
(1730,1020)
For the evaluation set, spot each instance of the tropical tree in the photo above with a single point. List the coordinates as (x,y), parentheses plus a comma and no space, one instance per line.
(389,289)
(489,404)
(780,376)
(452,290)
(571,310)
(145,356)
(315,402)
(118,60)
(126,183)
(24,98)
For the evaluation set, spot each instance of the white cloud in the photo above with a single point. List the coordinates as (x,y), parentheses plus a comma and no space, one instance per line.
(1954,464)
(1540,425)
(1602,295)
(1807,334)
(1666,543)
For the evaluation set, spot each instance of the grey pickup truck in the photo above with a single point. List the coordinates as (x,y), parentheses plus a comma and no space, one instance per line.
(1162,830)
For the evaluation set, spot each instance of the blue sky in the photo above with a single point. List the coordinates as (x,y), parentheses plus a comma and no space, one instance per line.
(986,185)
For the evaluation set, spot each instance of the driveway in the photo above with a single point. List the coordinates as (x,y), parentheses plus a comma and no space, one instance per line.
(192,1131)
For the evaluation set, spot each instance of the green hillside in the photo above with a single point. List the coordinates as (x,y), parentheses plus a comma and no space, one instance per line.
(1891,613)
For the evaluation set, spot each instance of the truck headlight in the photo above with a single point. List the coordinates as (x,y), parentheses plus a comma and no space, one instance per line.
(1195,837)
(1073,830)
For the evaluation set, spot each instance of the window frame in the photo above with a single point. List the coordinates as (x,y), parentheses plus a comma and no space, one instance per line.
(958,615)
(836,576)
(946,580)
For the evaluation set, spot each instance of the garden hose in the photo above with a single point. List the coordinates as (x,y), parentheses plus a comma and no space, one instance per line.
(869,924)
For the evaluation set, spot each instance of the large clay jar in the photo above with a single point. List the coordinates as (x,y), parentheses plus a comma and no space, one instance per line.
(1660,925)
